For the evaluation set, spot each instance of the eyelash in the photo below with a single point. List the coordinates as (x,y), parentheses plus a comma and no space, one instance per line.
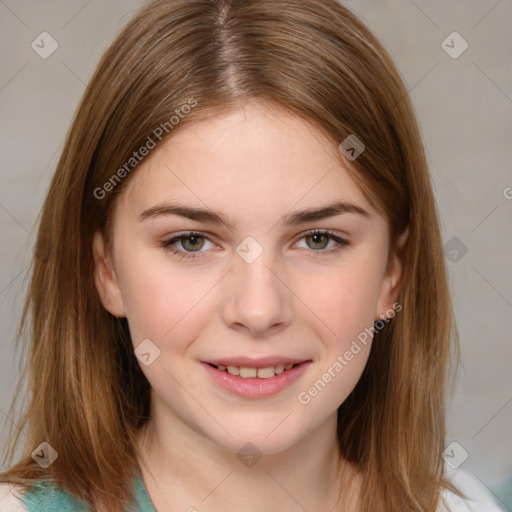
(167,245)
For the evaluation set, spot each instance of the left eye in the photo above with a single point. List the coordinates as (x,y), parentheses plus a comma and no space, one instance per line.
(319,237)
(193,242)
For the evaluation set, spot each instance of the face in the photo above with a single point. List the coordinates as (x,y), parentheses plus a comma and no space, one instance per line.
(255,282)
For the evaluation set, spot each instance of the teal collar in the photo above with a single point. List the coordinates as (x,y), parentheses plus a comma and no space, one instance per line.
(142,498)
(49,496)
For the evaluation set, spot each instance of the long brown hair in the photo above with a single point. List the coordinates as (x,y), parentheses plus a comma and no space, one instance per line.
(86,394)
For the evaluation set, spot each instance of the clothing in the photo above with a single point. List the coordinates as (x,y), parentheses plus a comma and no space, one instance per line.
(479,497)
(50,498)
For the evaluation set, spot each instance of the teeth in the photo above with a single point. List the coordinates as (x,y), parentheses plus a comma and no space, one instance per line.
(248,373)
(251,373)
(233,370)
(266,373)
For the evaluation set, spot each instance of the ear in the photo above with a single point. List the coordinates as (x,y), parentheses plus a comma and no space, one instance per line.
(105,278)
(392,282)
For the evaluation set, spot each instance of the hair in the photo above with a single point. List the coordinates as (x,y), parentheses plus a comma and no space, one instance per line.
(86,393)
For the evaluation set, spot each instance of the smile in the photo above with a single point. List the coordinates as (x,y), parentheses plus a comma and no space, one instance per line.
(251,373)
(255,382)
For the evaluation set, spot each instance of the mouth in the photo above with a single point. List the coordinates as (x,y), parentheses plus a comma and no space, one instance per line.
(255,379)
(248,372)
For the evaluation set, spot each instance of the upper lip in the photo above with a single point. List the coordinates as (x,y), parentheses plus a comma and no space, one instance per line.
(262,362)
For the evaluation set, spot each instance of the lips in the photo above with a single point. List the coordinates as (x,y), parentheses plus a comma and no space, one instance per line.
(263,362)
(256,378)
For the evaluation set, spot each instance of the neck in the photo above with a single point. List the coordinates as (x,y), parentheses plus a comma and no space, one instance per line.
(187,470)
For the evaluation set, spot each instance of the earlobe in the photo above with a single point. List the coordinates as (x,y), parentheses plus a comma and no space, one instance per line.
(105,278)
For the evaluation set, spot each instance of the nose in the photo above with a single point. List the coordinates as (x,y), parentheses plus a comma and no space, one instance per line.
(257,298)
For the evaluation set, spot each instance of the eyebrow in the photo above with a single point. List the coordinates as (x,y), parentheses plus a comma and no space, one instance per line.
(291,219)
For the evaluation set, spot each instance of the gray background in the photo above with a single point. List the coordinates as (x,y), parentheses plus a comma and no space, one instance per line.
(464,107)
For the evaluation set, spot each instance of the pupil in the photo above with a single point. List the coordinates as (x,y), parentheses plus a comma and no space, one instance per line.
(316,237)
(192,240)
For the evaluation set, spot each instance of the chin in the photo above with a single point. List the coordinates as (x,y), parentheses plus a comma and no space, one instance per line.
(260,438)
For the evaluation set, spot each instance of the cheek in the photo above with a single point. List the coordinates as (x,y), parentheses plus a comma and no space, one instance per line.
(344,306)
(162,302)
(341,302)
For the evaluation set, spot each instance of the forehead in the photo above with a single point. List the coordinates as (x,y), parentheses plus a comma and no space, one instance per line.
(246,160)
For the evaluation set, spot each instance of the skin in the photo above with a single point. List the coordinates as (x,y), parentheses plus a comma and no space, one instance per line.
(295,299)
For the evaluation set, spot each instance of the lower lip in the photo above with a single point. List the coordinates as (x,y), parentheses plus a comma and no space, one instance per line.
(255,387)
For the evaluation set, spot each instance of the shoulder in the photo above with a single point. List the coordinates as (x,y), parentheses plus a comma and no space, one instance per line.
(10,499)
(43,496)
(479,498)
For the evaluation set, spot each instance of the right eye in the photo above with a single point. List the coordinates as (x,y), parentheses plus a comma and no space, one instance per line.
(192,239)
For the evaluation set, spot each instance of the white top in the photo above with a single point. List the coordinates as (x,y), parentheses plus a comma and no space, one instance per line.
(480,499)
(9,502)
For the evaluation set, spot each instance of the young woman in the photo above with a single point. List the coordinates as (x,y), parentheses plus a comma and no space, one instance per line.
(239,298)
